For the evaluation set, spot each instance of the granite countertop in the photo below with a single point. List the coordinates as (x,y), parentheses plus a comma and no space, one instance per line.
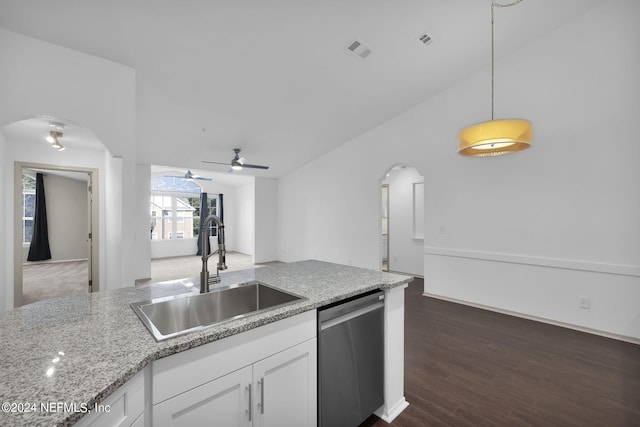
(80,349)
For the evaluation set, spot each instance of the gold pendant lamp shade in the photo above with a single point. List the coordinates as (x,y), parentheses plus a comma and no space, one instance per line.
(495,137)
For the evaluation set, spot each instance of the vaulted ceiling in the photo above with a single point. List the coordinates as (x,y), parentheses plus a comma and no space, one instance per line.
(275,77)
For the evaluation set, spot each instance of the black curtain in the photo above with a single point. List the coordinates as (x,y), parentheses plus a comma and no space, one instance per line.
(221,214)
(204,212)
(39,249)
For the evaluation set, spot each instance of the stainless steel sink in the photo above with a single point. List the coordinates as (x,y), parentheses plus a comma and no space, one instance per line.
(172,316)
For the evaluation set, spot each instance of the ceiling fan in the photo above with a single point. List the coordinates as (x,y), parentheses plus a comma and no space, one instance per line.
(190,176)
(238,163)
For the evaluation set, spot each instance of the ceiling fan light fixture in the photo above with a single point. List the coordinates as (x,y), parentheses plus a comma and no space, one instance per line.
(189,176)
(238,163)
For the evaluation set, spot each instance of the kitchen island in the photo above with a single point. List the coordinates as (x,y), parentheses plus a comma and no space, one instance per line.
(62,357)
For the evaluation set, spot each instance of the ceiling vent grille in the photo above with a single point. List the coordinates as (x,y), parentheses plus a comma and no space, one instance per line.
(425,39)
(359,49)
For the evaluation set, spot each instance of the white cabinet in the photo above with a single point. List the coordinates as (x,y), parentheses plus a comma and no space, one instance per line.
(264,377)
(123,408)
(225,401)
(285,388)
(277,391)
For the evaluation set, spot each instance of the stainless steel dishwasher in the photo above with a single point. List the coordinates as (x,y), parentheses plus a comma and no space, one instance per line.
(350,360)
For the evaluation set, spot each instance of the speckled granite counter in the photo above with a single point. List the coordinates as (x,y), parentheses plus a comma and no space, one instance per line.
(80,349)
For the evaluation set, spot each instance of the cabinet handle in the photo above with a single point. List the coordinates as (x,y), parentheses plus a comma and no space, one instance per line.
(261,382)
(250,405)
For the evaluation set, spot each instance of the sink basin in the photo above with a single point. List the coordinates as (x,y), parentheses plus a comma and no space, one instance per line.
(176,315)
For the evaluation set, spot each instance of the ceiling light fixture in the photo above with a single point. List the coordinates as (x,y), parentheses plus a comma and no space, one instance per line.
(495,137)
(53,139)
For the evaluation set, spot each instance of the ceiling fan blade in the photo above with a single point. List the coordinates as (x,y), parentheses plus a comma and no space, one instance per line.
(215,163)
(246,165)
(237,162)
(202,178)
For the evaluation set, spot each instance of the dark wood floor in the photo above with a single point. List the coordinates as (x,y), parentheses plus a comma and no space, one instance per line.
(470,367)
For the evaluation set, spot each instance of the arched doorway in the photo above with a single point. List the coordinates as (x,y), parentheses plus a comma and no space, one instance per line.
(402,220)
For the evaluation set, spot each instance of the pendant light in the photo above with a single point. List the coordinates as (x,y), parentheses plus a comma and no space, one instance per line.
(495,137)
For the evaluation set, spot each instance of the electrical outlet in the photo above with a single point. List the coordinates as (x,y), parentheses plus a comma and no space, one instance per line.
(443,229)
(585,302)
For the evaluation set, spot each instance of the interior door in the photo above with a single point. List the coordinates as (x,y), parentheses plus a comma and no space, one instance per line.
(90,231)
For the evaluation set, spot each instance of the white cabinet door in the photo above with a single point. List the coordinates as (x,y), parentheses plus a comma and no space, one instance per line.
(221,402)
(285,388)
(122,408)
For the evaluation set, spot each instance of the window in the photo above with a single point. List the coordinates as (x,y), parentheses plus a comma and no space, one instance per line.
(161,217)
(175,209)
(28,207)
(212,202)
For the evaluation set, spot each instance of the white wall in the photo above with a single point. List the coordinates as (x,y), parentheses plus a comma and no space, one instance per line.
(142,230)
(6,262)
(547,225)
(67,218)
(39,78)
(266,220)
(244,205)
(115,232)
(406,252)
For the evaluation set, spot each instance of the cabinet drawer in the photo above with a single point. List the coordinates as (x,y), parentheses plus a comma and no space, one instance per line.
(224,401)
(184,371)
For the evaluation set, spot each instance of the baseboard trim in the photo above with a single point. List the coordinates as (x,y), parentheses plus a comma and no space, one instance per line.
(605,334)
(391,414)
(55,261)
(403,273)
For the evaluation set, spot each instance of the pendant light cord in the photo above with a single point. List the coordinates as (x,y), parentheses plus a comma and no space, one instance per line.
(494,5)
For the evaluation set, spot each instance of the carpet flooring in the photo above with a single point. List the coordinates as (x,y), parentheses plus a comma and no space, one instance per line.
(163,269)
(44,280)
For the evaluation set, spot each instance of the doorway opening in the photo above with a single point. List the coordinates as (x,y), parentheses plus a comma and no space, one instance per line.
(71,202)
(402,221)
(385,227)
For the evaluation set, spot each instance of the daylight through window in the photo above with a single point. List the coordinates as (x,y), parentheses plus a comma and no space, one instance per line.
(175,209)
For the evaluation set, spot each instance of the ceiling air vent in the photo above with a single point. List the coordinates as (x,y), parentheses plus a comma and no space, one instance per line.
(359,49)
(425,39)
